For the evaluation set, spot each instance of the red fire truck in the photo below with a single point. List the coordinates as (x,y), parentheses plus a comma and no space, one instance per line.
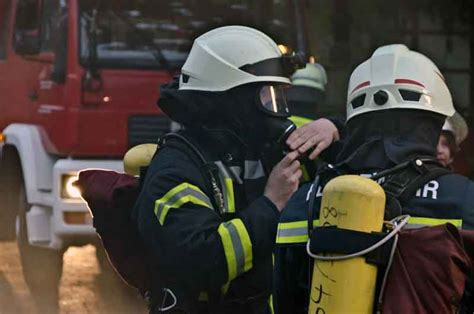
(78,85)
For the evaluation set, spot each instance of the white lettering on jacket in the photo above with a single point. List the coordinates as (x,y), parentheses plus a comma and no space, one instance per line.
(318,194)
(431,188)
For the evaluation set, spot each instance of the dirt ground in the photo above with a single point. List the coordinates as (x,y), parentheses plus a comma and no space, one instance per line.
(84,288)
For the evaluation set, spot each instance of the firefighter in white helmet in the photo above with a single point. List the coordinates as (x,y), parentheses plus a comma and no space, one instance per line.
(307,93)
(211,197)
(454,132)
(397,102)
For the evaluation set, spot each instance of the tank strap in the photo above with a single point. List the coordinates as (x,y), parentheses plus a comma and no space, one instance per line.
(404,180)
(334,240)
(207,168)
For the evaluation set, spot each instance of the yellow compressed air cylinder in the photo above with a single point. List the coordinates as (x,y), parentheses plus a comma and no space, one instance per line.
(347,286)
(137,157)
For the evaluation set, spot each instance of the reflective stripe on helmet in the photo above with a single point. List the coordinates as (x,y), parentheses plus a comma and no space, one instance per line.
(179,195)
(237,247)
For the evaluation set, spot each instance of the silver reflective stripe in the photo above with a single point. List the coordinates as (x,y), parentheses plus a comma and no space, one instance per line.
(222,169)
(180,194)
(415,226)
(238,249)
(237,172)
(253,170)
(292,232)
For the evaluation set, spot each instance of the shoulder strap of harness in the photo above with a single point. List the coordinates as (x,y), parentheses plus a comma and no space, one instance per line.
(207,168)
(403,180)
(416,174)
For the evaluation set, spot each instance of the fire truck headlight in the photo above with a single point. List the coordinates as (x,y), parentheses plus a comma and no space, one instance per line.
(68,190)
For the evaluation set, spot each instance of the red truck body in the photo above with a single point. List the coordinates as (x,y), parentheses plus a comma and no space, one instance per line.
(74,122)
(79,81)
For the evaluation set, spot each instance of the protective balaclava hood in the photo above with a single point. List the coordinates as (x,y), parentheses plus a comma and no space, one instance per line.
(382,139)
(234,110)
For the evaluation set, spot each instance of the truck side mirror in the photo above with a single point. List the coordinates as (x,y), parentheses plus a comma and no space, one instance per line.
(27,39)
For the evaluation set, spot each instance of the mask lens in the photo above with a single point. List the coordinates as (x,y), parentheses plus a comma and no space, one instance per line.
(272,99)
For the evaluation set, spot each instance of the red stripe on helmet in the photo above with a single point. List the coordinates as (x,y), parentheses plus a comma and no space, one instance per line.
(364,84)
(407,81)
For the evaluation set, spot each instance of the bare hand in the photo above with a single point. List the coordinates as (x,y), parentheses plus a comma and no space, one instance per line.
(283,180)
(318,134)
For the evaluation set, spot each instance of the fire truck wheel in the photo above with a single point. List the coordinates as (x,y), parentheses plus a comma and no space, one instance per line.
(41,267)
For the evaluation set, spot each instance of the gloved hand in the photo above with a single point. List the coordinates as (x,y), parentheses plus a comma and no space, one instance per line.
(283,180)
(318,135)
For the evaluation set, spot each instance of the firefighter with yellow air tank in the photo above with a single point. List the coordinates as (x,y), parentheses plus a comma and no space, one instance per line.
(397,104)
(211,197)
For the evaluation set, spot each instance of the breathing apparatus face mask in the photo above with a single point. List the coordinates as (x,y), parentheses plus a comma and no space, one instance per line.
(271,99)
(271,102)
(275,127)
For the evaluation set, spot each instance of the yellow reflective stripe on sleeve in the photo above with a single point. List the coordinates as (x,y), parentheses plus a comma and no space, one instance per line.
(203,297)
(179,195)
(225,288)
(228,251)
(299,121)
(237,247)
(246,243)
(305,174)
(293,232)
(423,221)
(270,304)
(229,187)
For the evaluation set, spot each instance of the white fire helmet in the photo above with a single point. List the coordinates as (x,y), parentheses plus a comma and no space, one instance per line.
(231,56)
(313,75)
(457,126)
(398,78)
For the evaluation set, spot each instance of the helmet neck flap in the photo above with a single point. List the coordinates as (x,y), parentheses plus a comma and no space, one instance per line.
(383,139)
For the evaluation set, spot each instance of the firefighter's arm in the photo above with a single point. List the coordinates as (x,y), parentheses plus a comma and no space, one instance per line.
(199,249)
(191,231)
